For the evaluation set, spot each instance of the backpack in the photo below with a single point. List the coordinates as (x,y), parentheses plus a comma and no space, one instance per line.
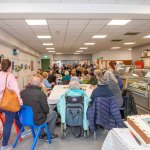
(74,112)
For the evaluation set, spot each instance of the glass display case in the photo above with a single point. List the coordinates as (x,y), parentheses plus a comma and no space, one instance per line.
(123,70)
(138,82)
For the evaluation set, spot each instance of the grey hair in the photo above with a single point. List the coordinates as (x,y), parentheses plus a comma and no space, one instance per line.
(74,85)
(66,72)
(36,81)
(99,76)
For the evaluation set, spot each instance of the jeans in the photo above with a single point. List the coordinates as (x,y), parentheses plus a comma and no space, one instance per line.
(51,121)
(9,119)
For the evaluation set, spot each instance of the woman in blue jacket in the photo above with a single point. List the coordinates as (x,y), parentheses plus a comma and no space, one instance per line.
(74,91)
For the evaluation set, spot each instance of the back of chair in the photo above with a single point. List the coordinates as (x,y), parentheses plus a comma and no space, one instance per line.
(74,100)
(26,116)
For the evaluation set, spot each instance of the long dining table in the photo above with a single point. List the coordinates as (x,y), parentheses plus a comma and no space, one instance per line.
(59,90)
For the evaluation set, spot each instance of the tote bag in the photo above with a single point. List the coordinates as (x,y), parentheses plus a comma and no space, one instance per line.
(9,100)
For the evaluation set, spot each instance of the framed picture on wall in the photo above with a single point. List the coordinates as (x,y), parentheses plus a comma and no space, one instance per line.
(12,65)
(32,65)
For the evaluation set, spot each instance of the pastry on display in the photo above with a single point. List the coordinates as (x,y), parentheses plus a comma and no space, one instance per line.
(141,125)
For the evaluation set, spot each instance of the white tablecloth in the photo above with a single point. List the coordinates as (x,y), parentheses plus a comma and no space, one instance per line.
(59,90)
(121,139)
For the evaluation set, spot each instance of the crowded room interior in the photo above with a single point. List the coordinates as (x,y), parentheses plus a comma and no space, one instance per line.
(75,74)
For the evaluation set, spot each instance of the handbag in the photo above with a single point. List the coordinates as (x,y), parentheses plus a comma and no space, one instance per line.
(9,100)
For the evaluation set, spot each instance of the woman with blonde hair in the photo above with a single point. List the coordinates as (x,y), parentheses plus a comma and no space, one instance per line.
(45,81)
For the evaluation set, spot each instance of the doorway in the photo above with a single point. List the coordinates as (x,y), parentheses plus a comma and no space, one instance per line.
(45,64)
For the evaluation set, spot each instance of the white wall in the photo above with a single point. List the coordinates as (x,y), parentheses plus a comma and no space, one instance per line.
(72,57)
(136,51)
(22,58)
(113,55)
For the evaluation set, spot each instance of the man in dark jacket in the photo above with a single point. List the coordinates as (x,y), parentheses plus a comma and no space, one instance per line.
(52,77)
(33,96)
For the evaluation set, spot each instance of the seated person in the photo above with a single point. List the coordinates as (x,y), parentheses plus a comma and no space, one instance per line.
(33,96)
(93,81)
(103,104)
(74,91)
(86,76)
(66,78)
(43,87)
(45,81)
(52,76)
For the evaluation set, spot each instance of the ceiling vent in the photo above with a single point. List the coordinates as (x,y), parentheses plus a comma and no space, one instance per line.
(116,40)
(131,33)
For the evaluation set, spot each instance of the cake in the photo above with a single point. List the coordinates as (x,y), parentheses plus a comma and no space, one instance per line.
(141,125)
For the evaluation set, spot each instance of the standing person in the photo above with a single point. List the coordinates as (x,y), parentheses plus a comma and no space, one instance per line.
(109,74)
(11,84)
(113,83)
(85,65)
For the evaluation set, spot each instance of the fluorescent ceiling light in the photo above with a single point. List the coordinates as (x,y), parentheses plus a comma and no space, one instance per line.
(47,43)
(76,53)
(130,49)
(148,36)
(115,47)
(79,51)
(83,47)
(51,51)
(118,22)
(58,53)
(129,43)
(50,48)
(99,36)
(44,36)
(89,43)
(36,22)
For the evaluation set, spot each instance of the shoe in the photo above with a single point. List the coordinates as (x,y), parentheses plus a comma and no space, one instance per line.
(42,137)
(6,148)
(54,136)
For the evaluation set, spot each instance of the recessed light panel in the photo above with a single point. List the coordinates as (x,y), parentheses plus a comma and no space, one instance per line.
(118,22)
(51,51)
(115,48)
(50,48)
(89,43)
(44,36)
(129,43)
(83,48)
(47,43)
(99,36)
(130,49)
(76,53)
(79,51)
(146,37)
(59,53)
(36,22)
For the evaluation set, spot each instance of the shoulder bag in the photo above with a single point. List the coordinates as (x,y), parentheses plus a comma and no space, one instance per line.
(9,100)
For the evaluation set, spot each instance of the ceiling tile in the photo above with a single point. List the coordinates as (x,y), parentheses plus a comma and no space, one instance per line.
(57,22)
(75,1)
(130,2)
(102,1)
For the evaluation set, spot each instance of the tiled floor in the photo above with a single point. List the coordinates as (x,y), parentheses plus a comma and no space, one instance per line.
(69,143)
